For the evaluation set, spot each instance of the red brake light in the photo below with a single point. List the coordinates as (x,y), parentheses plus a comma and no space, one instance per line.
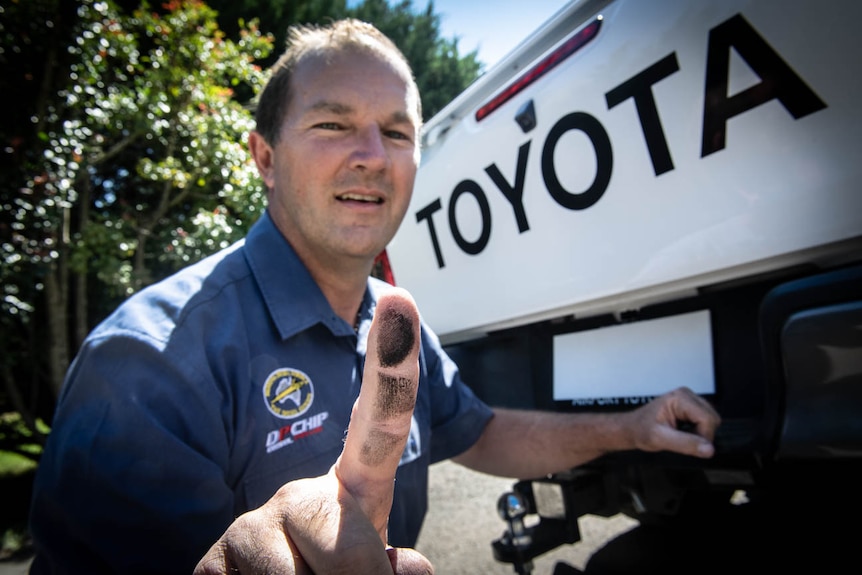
(382,270)
(572,45)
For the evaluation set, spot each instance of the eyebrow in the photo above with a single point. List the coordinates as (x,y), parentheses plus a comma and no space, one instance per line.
(330,106)
(341,109)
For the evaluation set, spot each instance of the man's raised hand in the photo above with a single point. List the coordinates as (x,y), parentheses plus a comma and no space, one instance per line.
(380,422)
(337,523)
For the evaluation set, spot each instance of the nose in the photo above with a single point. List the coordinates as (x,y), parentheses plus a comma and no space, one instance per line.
(369,151)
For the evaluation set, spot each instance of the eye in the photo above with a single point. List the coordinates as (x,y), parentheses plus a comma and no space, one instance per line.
(329,126)
(397,135)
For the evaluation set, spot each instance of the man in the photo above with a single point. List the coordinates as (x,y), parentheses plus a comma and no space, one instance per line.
(217,391)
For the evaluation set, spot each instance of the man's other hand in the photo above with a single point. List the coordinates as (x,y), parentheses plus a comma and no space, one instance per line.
(656,425)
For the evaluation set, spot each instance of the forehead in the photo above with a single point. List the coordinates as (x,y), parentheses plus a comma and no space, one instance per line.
(354,78)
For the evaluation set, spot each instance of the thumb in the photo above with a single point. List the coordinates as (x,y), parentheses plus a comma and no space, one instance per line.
(409,562)
(380,421)
(686,443)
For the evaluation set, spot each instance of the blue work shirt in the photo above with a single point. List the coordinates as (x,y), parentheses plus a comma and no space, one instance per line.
(201,395)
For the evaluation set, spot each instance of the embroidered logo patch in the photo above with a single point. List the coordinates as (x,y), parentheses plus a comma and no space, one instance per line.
(288,393)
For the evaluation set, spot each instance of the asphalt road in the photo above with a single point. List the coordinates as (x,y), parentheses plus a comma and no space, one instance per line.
(19,567)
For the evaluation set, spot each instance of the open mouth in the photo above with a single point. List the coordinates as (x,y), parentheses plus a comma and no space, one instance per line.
(360,198)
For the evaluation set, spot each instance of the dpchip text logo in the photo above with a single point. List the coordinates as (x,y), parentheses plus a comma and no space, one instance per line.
(295,431)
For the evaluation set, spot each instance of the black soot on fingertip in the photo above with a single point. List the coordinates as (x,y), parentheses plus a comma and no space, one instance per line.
(395,395)
(395,337)
(379,446)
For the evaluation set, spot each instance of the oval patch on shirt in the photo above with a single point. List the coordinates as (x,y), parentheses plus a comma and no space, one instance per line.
(288,393)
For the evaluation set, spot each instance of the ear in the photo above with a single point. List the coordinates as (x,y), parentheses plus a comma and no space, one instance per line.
(263,155)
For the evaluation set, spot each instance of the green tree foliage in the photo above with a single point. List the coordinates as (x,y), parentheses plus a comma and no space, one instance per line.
(32,56)
(130,167)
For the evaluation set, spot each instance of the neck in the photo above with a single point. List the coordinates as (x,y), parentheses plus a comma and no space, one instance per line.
(343,291)
(342,280)
(340,276)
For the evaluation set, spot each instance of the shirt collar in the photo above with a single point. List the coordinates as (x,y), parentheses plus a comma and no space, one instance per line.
(291,295)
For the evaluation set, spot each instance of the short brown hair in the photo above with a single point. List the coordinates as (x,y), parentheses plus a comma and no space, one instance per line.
(348,34)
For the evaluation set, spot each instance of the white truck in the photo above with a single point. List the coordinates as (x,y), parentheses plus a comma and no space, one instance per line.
(646,194)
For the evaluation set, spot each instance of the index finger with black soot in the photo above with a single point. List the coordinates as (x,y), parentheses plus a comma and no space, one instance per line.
(380,421)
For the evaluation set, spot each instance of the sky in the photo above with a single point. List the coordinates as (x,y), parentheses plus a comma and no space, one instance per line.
(494,27)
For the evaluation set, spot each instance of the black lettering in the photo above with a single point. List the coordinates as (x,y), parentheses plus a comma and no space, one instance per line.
(515,194)
(470,187)
(778,81)
(604,161)
(425,214)
(639,87)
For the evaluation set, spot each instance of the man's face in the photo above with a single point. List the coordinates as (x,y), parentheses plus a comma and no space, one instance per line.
(341,174)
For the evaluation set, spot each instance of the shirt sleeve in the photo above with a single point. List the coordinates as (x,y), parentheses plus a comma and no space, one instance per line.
(132,479)
(458,417)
